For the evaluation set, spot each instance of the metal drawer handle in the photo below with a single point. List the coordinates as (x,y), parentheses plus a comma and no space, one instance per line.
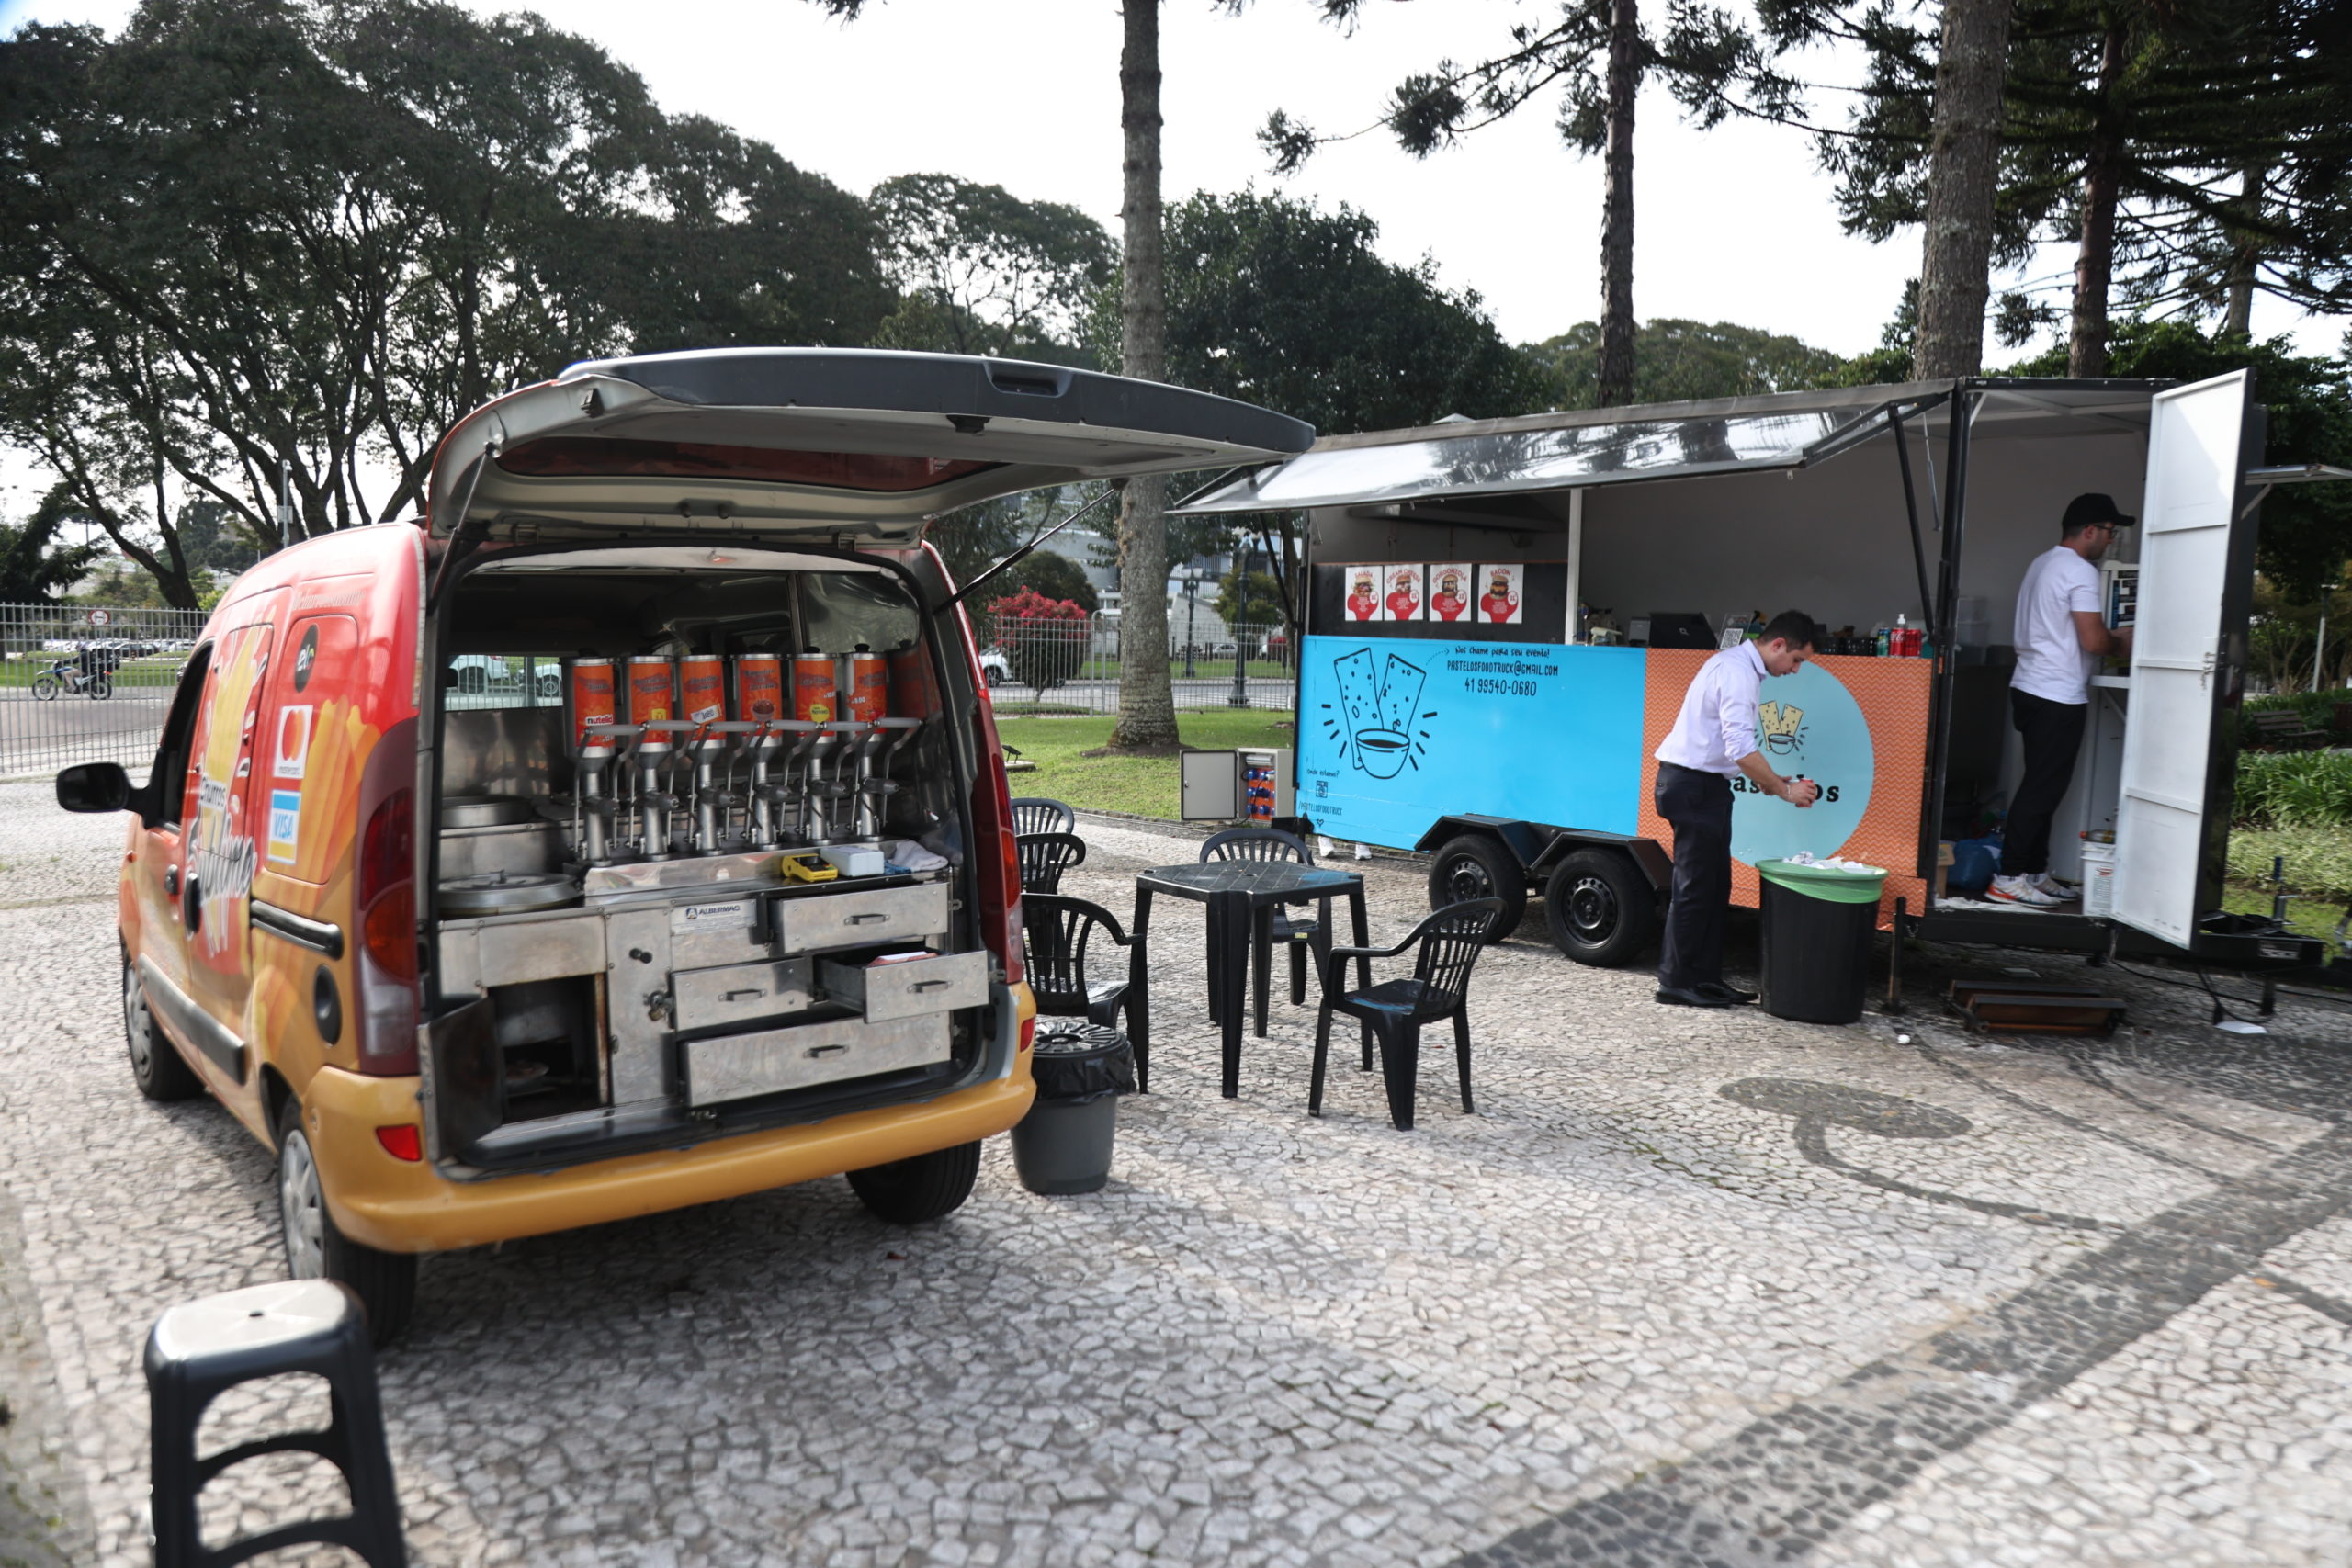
(861,920)
(739,996)
(928,985)
(817,1050)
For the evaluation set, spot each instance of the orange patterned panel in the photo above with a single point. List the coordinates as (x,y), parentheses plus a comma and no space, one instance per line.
(1894,695)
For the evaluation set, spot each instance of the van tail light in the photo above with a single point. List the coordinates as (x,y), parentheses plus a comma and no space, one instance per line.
(403,1142)
(385,882)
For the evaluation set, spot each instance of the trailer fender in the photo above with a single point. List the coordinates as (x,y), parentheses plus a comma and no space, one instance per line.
(1525,840)
(1656,867)
(1539,846)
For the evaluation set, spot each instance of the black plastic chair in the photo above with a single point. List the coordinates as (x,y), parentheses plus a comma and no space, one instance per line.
(1056,931)
(198,1351)
(1044,858)
(1300,933)
(1450,943)
(1036,814)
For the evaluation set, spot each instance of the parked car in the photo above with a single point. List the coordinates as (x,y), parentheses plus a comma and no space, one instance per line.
(996,667)
(465,985)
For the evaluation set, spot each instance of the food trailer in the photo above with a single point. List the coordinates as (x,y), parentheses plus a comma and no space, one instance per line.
(1501,617)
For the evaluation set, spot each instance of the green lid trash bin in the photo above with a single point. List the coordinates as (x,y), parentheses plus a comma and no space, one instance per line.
(1817,924)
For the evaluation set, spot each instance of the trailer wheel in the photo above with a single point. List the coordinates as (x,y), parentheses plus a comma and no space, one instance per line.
(1474,866)
(909,1192)
(1600,907)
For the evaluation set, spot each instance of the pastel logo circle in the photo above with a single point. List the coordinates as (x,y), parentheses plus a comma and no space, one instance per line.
(1807,723)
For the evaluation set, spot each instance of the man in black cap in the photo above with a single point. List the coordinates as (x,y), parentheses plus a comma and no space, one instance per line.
(2061,636)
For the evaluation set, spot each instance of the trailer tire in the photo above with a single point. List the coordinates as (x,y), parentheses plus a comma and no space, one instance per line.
(909,1192)
(1600,907)
(1472,865)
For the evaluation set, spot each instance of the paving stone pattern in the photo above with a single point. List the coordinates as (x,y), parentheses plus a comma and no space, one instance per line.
(1691,1288)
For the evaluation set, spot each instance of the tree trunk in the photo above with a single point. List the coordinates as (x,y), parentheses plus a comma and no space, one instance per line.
(2102,181)
(2245,256)
(1617,206)
(1955,274)
(1146,705)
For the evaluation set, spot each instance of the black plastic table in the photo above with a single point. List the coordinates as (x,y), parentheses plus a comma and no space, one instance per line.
(1241,896)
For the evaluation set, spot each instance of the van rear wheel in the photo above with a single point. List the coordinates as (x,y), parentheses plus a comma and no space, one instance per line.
(1472,865)
(385,1282)
(155,1062)
(1600,907)
(909,1192)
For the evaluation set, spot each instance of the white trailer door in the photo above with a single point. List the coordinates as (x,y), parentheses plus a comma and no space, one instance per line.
(2189,534)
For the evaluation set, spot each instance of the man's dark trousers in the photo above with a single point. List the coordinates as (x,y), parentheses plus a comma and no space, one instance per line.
(1699,805)
(2053,739)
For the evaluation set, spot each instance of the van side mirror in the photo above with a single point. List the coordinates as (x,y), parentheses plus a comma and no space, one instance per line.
(94,787)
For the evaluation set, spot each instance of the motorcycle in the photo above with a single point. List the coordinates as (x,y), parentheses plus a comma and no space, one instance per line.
(66,675)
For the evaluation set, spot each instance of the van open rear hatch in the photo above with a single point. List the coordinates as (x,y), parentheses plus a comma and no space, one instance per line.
(703,739)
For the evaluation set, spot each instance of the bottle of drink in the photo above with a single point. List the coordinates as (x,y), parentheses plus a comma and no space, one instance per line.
(1899,644)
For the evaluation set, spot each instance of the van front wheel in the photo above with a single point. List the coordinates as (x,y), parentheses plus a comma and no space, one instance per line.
(155,1064)
(385,1282)
(909,1192)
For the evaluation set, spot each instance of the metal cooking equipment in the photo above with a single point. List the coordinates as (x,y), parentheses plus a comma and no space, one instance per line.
(508,893)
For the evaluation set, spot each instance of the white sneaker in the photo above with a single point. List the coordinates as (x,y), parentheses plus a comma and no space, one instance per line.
(2018,890)
(2058,887)
(1364,852)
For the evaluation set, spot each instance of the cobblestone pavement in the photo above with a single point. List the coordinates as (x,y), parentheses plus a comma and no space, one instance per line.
(1689,1288)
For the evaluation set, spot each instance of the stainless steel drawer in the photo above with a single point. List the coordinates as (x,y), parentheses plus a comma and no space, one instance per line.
(737,1067)
(815,922)
(739,993)
(909,987)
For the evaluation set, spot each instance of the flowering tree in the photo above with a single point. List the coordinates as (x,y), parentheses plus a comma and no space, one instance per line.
(1044,639)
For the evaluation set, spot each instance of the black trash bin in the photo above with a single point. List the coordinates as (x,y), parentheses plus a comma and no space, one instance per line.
(1063,1143)
(1817,926)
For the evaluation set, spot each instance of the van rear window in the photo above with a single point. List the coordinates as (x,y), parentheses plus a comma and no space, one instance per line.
(583,456)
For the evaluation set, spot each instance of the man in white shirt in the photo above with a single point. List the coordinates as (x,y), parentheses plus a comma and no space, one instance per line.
(2061,635)
(1714,738)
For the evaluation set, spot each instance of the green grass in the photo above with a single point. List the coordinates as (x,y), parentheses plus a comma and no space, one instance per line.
(1145,787)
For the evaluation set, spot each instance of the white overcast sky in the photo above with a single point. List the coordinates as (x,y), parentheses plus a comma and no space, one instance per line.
(1735,224)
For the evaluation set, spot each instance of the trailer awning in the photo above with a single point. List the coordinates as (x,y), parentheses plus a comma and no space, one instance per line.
(1568,450)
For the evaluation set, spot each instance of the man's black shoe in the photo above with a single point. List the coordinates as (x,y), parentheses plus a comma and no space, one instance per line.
(1676,996)
(1732,994)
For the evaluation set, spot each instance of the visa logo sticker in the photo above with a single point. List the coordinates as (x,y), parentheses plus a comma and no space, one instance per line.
(285,824)
(734,915)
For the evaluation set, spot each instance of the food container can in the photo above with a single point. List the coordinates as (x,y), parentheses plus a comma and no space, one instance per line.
(652,694)
(912,694)
(702,688)
(589,682)
(813,696)
(869,687)
(759,686)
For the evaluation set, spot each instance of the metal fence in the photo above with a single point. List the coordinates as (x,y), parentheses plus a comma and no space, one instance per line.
(79,684)
(1073,666)
(77,690)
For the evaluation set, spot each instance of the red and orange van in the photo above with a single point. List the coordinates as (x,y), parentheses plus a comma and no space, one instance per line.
(630,832)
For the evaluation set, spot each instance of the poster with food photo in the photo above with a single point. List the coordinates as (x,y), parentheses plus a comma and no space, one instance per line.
(1400,592)
(1364,593)
(1499,595)
(1450,591)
